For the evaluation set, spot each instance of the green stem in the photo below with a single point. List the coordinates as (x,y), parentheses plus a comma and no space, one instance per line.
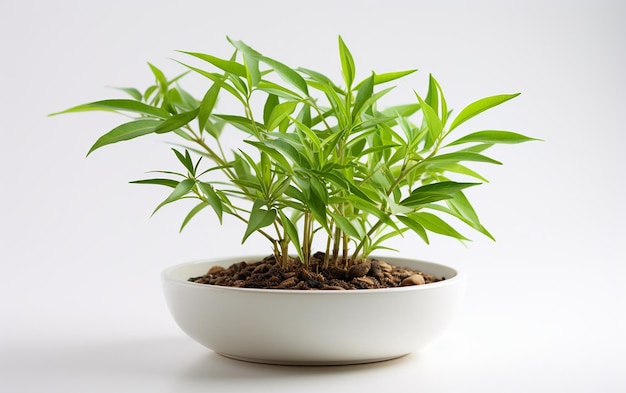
(358,248)
(306,246)
(326,254)
(336,243)
(346,243)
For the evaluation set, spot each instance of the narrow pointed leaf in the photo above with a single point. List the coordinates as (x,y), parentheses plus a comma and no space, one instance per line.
(278,157)
(363,94)
(162,182)
(288,74)
(459,157)
(241,123)
(346,226)
(279,113)
(118,105)
(225,65)
(276,89)
(435,224)
(192,213)
(415,227)
(292,232)
(347,63)
(131,91)
(207,105)
(217,78)
(125,132)
(464,208)
(259,218)
(492,137)
(318,207)
(434,192)
(185,160)
(480,106)
(320,78)
(177,121)
(212,198)
(179,191)
(159,76)
(270,103)
(390,76)
(435,127)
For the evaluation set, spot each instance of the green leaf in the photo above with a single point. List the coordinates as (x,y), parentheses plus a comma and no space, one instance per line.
(458,168)
(460,156)
(312,136)
(415,227)
(125,132)
(276,89)
(131,91)
(225,65)
(401,110)
(432,119)
(292,232)
(434,192)
(217,78)
(321,79)
(241,123)
(159,76)
(259,218)
(366,106)
(177,121)
(492,137)
(185,159)
(317,204)
(118,105)
(192,213)
(212,198)
(289,149)
(278,157)
(161,182)
(389,76)
(462,206)
(363,94)
(480,106)
(386,77)
(279,113)
(207,105)
(288,74)
(347,63)
(270,103)
(435,224)
(179,191)
(346,226)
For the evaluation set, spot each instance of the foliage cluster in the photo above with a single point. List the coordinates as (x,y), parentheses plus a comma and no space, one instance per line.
(318,158)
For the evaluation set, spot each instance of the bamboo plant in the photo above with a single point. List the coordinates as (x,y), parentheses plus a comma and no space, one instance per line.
(318,159)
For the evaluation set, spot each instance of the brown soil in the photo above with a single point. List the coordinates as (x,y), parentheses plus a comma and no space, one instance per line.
(268,274)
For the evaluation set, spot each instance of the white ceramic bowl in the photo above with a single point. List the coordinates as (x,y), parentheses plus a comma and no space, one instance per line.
(312,327)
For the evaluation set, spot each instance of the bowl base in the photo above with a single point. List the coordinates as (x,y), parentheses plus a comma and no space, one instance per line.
(286,362)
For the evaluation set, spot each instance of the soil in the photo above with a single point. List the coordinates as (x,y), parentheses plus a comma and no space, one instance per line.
(268,274)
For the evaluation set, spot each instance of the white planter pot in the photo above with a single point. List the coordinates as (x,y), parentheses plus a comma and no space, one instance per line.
(312,327)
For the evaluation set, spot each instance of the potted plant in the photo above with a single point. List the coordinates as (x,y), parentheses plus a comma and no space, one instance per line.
(320,165)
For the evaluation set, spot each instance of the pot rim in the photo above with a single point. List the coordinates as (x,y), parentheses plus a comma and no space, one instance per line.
(167,275)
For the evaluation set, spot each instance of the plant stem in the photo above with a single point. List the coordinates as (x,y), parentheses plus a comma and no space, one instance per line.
(373,229)
(336,243)
(326,254)
(346,243)
(306,246)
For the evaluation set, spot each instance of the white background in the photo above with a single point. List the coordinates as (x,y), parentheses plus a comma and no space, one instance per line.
(80,299)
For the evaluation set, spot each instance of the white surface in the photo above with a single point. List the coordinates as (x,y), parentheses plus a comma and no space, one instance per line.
(82,308)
